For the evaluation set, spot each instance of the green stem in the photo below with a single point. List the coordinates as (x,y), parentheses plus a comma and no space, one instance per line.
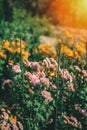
(62,91)
(57,83)
(22,73)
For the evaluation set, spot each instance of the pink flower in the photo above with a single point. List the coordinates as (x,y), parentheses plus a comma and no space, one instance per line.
(34,79)
(16,68)
(47,62)
(65,74)
(84,73)
(14,126)
(50,63)
(80,110)
(7,81)
(45,81)
(71,87)
(77,68)
(40,74)
(27,73)
(5,115)
(46,95)
(20,125)
(35,65)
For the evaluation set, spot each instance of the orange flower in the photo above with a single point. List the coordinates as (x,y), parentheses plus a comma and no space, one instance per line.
(67,51)
(11,50)
(18,50)
(13,44)
(22,44)
(6,44)
(3,55)
(11,61)
(47,49)
(12,118)
(25,54)
(68,35)
(80,48)
(76,55)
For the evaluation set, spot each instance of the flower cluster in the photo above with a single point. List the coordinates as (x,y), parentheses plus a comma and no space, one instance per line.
(69,78)
(46,50)
(80,48)
(81,110)
(70,53)
(51,66)
(82,72)
(13,49)
(34,85)
(41,76)
(8,121)
(72,121)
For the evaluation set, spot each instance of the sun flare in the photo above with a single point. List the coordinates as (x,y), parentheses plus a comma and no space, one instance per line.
(70,12)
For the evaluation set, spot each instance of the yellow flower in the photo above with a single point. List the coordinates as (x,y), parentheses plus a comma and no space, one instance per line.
(80,48)
(22,44)
(63,48)
(47,49)
(3,55)
(67,51)
(13,44)
(11,61)
(6,44)
(11,50)
(52,73)
(18,50)
(12,118)
(25,54)
(68,35)
(54,54)
(76,55)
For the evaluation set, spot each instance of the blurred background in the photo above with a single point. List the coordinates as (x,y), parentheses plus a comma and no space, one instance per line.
(63,12)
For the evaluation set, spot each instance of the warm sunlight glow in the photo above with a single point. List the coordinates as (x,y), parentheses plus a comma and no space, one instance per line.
(70,12)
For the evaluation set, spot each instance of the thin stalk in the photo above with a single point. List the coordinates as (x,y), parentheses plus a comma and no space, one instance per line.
(57,83)
(62,92)
(22,73)
(22,82)
(22,79)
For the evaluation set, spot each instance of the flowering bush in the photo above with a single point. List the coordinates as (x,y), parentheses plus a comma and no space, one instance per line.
(42,93)
(8,121)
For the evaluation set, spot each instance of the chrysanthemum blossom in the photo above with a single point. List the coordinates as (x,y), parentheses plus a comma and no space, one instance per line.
(34,79)
(45,81)
(35,65)
(16,68)
(46,95)
(77,68)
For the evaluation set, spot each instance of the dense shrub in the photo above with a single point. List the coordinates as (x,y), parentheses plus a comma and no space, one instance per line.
(42,94)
